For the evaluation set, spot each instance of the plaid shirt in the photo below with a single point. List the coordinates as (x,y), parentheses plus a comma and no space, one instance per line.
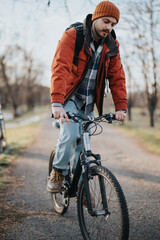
(84,97)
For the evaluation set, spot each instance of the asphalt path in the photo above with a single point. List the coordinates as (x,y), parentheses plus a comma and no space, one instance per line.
(137,170)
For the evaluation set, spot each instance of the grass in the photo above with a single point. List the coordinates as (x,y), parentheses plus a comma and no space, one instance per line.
(18,139)
(140,127)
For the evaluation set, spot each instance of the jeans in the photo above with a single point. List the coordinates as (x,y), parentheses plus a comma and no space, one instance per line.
(68,145)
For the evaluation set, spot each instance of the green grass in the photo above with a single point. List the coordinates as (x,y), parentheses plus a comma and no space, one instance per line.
(17,140)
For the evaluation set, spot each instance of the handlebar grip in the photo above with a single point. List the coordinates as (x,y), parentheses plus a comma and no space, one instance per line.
(110,116)
(114,116)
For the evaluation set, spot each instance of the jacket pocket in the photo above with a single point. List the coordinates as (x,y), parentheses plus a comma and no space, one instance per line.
(72,78)
(75,70)
(82,61)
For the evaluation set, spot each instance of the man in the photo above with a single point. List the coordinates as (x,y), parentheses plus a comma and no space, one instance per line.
(76,87)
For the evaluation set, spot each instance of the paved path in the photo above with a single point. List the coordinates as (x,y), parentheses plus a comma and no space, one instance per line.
(137,171)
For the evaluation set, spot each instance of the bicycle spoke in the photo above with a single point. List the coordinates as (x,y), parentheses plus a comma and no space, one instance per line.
(109,197)
(111,227)
(94,190)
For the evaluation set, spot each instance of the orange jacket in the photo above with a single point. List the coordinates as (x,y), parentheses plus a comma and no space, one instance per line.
(66,76)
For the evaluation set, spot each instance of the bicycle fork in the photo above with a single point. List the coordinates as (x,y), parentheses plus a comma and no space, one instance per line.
(88,174)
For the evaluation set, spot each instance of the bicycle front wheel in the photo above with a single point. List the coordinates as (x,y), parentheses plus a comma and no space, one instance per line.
(59,200)
(111,226)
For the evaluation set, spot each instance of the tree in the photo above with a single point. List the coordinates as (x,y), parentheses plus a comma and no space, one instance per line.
(32,74)
(11,76)
(131,84)
(20,74)
(145,26)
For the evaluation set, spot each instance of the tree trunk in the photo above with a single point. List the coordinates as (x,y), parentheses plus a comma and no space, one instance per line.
(15,111)
(129,114)
(152,118)
(152,103)
(129,106)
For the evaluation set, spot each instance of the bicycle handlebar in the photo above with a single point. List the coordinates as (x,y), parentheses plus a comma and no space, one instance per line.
(73,116)
(109,117)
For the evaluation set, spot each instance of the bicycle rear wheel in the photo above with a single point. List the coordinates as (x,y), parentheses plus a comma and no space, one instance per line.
(112,226)
(60,200)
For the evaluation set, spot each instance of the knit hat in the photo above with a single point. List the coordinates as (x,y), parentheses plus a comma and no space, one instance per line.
(106,9)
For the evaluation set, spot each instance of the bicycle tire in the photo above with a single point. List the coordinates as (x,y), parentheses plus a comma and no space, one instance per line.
(114,226)
(60,203)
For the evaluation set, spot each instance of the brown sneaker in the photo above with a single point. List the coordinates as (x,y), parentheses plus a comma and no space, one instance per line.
(54,184)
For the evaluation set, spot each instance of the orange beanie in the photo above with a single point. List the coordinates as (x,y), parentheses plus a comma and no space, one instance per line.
(106,8)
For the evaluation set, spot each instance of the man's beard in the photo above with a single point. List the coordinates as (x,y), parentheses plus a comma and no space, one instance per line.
(98,34)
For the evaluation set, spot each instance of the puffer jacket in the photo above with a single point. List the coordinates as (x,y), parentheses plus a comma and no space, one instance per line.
(67,76)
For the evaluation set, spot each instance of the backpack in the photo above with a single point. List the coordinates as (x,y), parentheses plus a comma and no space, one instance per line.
(79,39)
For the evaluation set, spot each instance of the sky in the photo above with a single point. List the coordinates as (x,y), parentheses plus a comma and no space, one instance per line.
(37,27)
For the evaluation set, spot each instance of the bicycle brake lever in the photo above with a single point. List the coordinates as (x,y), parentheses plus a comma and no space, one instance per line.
(71,117)
(77,121)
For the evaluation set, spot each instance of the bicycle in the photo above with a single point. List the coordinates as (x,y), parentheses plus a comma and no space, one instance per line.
(101,205)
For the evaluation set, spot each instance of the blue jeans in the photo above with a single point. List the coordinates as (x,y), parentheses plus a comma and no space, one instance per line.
(68,145)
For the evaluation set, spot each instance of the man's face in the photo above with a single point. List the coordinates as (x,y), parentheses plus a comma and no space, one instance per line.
(101,27)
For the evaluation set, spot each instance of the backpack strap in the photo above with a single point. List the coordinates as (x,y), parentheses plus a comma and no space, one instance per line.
(79,39)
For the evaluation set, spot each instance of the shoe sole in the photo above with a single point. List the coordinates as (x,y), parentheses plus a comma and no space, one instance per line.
(52,191)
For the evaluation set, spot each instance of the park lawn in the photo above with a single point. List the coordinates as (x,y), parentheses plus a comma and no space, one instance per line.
(140,127)
(17,139)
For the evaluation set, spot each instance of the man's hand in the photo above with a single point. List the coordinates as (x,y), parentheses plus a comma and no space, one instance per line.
(120,116)
(59,113)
